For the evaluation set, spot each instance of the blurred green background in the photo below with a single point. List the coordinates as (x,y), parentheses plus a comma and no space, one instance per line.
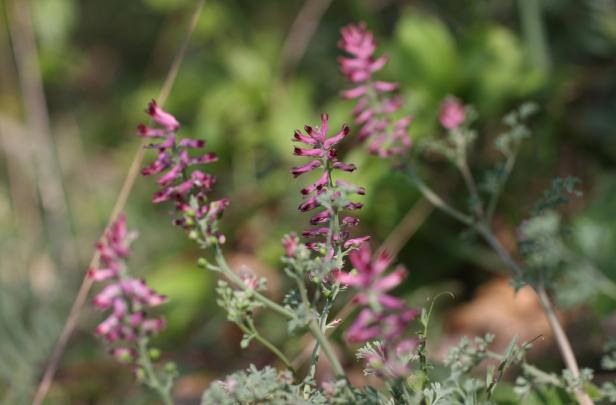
(254,71)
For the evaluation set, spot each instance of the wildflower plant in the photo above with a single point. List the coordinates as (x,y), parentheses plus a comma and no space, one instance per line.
(329,263)
(128,327)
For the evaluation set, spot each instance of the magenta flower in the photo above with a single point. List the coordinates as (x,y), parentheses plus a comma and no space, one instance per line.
(452,113)
(321,150)
(370,281)
(382,317)
(386,136)
(126,298)
(385,326)
(188,189)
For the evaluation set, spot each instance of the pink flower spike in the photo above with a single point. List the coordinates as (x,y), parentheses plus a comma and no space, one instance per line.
(452,113)
(162,117)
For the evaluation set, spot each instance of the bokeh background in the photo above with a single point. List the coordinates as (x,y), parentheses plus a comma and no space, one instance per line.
(75,77)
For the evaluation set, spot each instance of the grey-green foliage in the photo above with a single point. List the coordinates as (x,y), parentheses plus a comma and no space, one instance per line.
(559,193)
(461,386)
(271,387)
(266,386)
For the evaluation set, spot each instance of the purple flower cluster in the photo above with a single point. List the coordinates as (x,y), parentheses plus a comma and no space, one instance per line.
(187,189)
(323,155)
(375,108)
(127,298)
(382,316)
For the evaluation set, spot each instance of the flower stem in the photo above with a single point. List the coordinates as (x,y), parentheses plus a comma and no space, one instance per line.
(224,267)
(482,227)
(327,349)
(252,330)
(151,378)
(563,342)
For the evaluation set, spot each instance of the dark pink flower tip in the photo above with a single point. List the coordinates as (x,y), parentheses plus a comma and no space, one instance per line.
(299,137)
(315,232)
(148,132)
(162,117)
(345,167)
(320,218)
(308,152)
(350,221)
(452,113)
(101,274)
(334,140)
(299,170)
(309,204)
(192,143)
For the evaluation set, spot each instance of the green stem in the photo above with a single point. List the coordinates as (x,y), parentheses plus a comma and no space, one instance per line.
(531,370)
(483,228)
(497,193)
(224,267)
(152,380)
(471,186)
(322,324)
(327,348)
(437,201)
(252,330)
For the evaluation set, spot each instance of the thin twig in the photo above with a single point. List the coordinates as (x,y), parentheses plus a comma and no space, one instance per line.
(407,227)
(127,186)
(301,32)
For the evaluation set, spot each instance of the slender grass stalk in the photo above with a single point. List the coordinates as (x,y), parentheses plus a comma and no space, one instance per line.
(127,186)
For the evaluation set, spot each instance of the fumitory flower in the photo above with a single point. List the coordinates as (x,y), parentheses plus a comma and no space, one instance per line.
(452,113)
(188,189)
(126,298)
(370,281)
(374,110)
(325,193)
(382,316)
